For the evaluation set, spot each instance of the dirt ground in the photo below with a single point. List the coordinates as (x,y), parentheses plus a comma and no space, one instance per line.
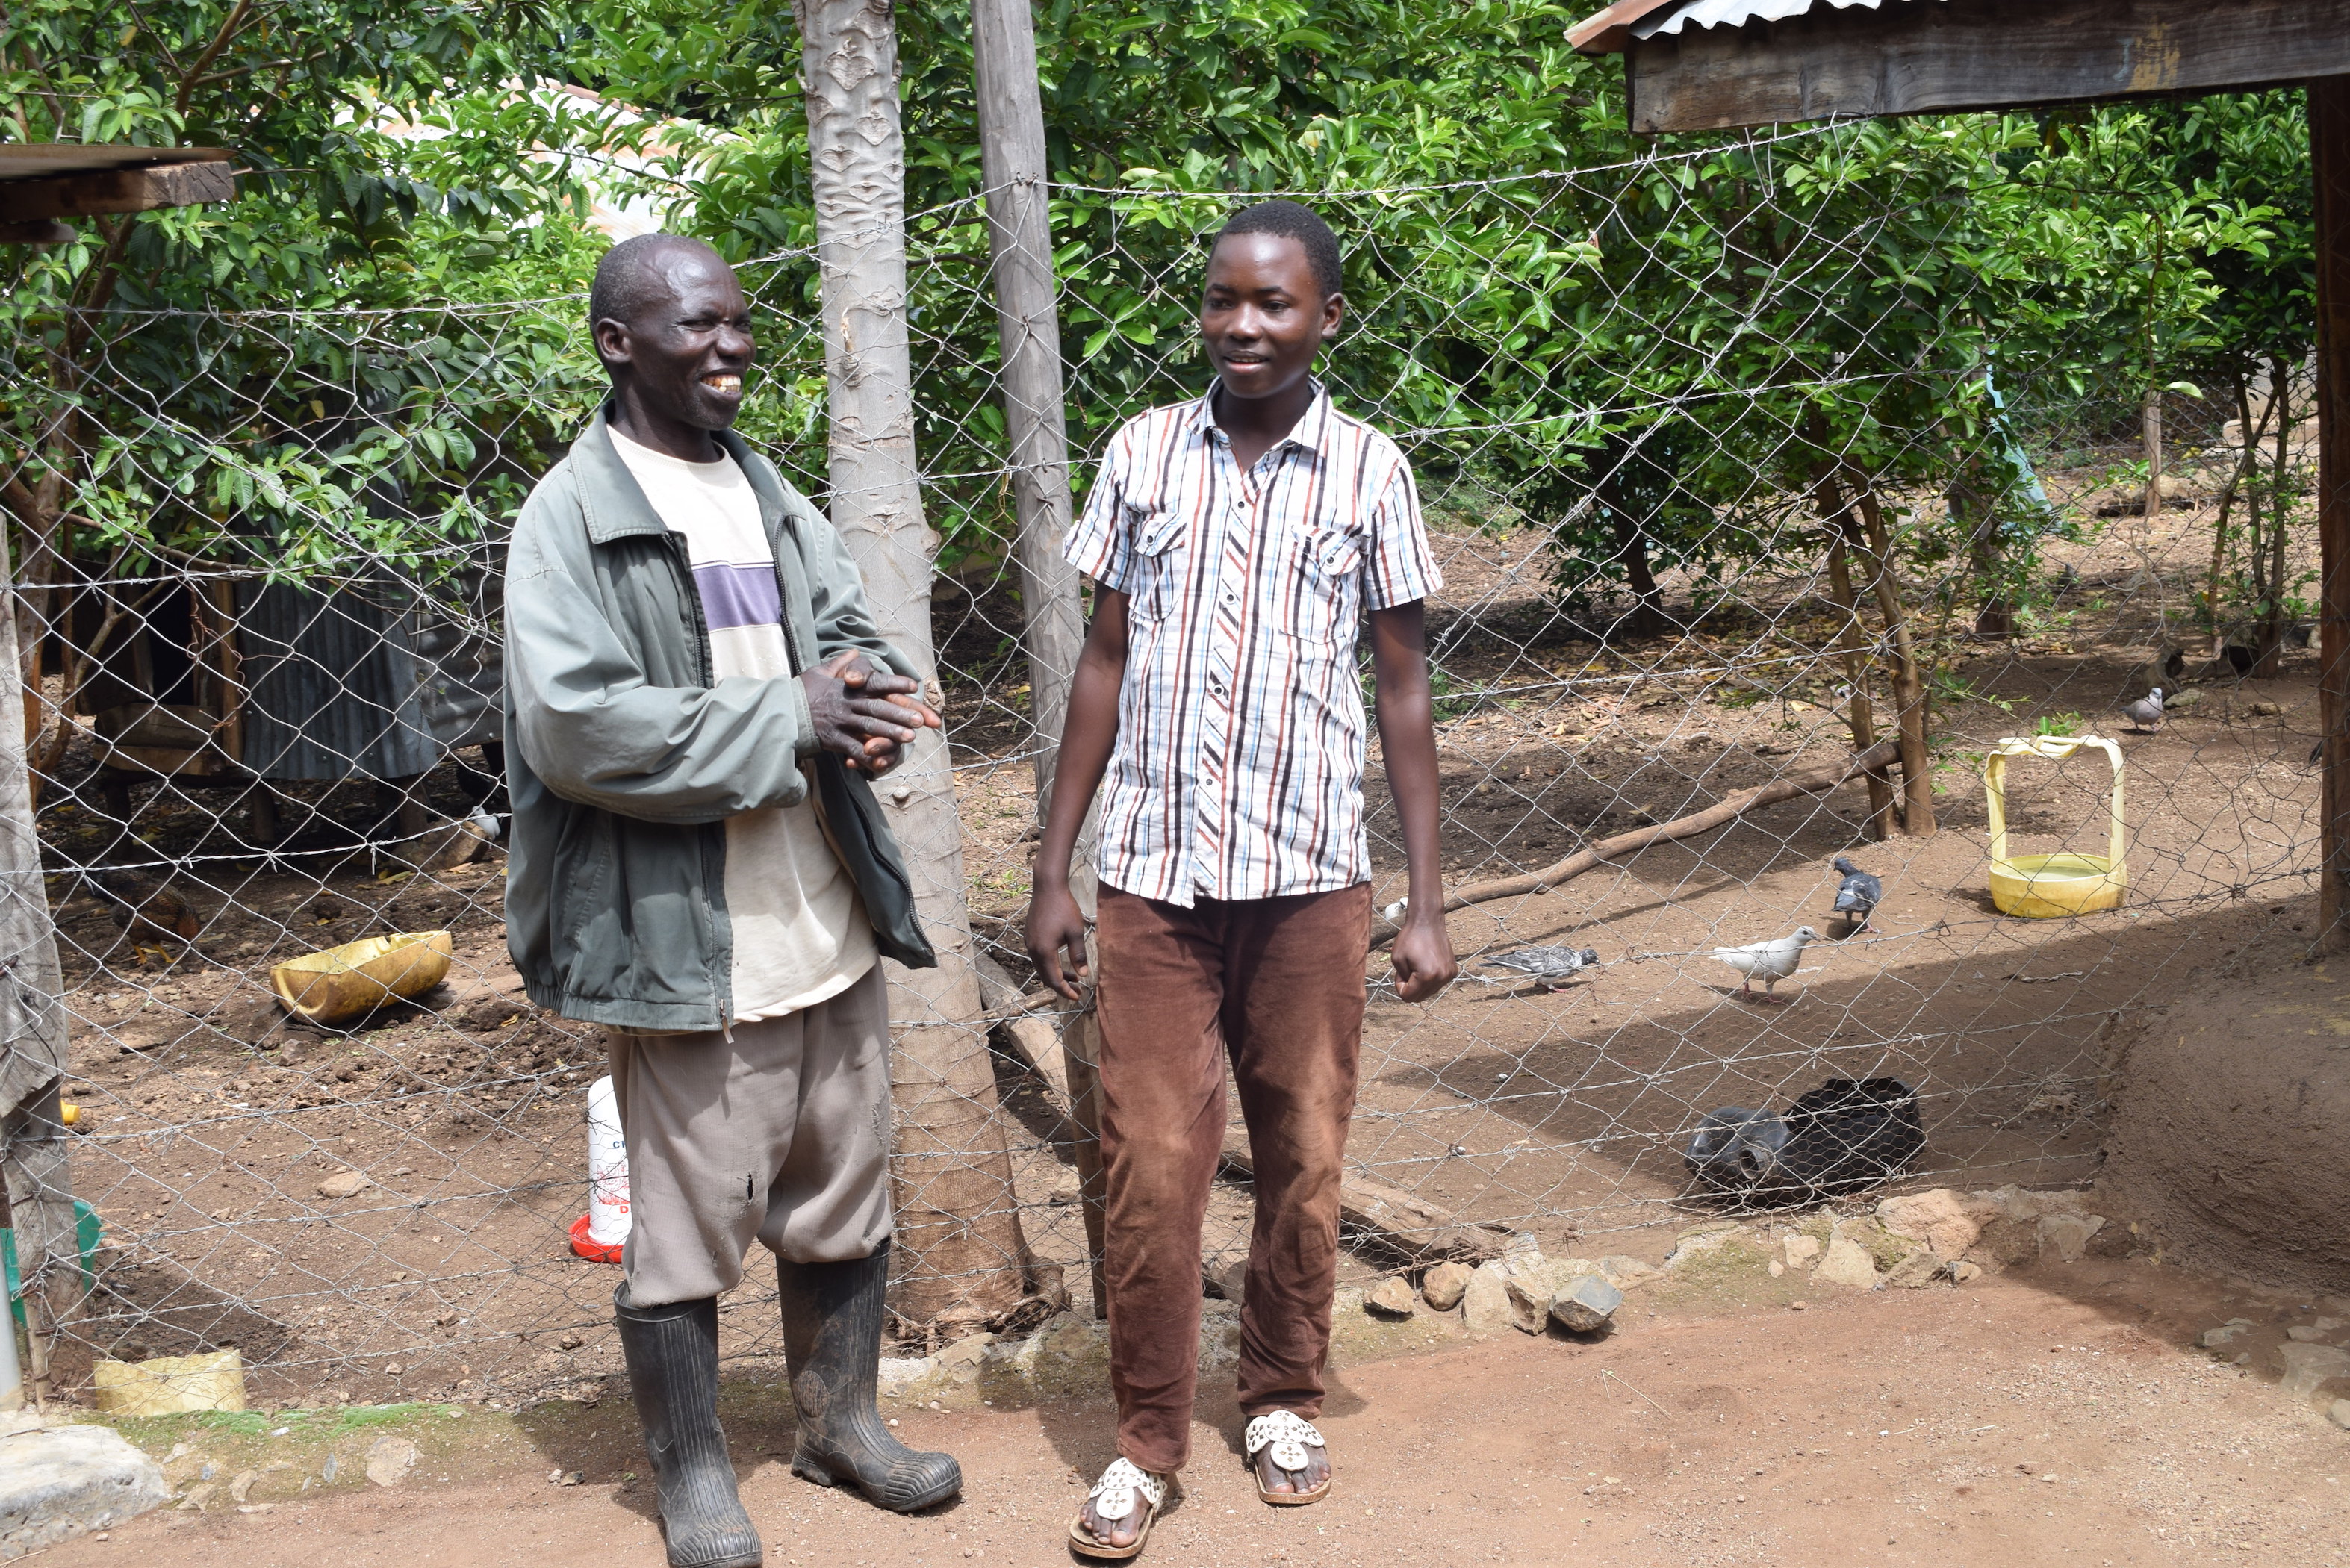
(210,1123)
(2052,1415)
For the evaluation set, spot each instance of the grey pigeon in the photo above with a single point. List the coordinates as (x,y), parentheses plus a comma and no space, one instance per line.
(1548,965)
(1735,1150)
(2145,713)
(1769,961)
(1857,894)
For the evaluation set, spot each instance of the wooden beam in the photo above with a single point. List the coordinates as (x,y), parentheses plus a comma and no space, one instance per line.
(44,231)
(116,190)
(2329,148)
(1388,1217)
(1922,58)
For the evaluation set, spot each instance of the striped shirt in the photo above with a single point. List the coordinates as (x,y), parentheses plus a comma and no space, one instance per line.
(1238,772)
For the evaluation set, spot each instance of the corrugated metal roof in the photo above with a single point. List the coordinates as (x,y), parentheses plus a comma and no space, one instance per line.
(1738,13)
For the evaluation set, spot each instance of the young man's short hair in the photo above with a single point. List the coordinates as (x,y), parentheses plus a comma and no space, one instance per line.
(1293,221)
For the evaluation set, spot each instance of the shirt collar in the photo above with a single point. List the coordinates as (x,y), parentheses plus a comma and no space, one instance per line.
(1309,431)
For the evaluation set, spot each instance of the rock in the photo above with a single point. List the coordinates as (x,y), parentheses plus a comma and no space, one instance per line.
(1627,1273)
(1916,1271)
(962,1357)
(2307,1332)
(2340,1411)
(1699,1239)
(1037,1043)
(1965,1273)
(2309,1367)
(1777,1268)
(1442,1286)
(1847,1263)
(1230,1276)
(1800,1251)
(344,1184)
(1586,1305)
(897,1371)
(1940,1219)
(2006,1241)
(388,1461)
(2227,1333)
(2067,1235)
(57,1482)
(1535,1282)
(1392,1295)
(2266,710)
(1485,1301)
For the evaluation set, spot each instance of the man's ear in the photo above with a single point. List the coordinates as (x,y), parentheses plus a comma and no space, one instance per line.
(612,337)
(1334,311)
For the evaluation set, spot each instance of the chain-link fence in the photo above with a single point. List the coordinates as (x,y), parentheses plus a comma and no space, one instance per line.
(1741,465)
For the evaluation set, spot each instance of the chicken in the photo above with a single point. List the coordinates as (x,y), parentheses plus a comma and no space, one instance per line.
(148,914)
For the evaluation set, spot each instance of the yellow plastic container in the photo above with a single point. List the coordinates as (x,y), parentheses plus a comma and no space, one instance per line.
(342,984)
(2050,887)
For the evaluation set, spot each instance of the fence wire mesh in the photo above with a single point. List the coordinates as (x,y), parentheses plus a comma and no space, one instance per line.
(1717,504)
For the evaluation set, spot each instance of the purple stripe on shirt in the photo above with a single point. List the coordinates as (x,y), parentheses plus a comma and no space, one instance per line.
(739,595)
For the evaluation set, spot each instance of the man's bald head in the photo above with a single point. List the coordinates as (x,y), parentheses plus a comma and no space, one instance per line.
(634,275)
(673,331)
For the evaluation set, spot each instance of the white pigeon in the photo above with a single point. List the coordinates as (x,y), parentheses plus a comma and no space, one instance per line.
(2145,713)
(1769,961)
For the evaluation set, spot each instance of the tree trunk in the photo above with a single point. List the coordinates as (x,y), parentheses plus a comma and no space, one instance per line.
(962,1257)
(1851,646)
(1909,680)
(1648,616)
(2329,146)
(2151,431)
(33,1053)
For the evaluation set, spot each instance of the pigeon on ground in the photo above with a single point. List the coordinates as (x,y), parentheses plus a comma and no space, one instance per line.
(1549,965)
(1857,894)
(1769,961)
(2145,713)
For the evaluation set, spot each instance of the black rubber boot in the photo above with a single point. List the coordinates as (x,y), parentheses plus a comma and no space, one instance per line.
(832,1342)
(673,1356)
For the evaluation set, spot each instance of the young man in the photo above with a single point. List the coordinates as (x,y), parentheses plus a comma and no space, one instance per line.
(1234,542)
(695,697)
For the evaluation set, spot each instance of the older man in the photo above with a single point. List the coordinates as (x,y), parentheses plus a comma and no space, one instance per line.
(696,696)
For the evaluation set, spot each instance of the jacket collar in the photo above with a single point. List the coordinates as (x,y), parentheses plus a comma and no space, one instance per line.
(615,503)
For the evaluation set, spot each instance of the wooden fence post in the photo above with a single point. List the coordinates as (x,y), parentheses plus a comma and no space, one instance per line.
(2329,147)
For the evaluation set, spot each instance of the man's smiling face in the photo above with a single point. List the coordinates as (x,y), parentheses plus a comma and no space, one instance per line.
(689,344)
(1262,315)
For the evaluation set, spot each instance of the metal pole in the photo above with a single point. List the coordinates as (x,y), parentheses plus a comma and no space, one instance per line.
(2329,148)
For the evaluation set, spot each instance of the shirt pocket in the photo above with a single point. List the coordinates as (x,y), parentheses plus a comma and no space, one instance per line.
(1330,563)
(1162,558)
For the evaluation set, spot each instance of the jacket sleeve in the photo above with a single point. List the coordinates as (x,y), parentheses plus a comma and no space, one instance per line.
(844,621)
(597,732)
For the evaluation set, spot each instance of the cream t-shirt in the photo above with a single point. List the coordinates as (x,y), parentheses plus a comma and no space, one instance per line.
(800,934)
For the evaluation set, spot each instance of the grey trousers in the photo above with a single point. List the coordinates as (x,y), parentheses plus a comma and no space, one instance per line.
(780,1136)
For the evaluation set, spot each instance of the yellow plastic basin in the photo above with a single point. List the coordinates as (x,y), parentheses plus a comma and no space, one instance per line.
(2051,887)
(340,983)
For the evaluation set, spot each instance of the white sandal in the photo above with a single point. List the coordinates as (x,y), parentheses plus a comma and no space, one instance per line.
(1289,1434)
(1115,1496)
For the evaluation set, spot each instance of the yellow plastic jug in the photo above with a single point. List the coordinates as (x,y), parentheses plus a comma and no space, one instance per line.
(2046,887)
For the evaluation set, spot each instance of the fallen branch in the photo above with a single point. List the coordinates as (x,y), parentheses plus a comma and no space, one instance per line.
(1728,809)
(1390,1217)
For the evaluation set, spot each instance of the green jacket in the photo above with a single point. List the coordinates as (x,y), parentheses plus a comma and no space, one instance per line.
(624,758)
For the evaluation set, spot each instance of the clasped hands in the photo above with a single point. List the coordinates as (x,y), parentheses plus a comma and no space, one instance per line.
(864,714)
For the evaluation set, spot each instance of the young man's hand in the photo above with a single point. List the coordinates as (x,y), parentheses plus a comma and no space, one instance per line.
(1056,925)
(864,714)
(1423,958)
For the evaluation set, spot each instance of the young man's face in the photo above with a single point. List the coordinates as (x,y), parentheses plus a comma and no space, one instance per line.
(687,353)
(1263,315)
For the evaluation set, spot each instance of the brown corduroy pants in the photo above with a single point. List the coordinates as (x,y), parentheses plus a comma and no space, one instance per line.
(1275,985)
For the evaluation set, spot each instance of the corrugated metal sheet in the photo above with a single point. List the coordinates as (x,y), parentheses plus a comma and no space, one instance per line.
(1738,13)
(368,679)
